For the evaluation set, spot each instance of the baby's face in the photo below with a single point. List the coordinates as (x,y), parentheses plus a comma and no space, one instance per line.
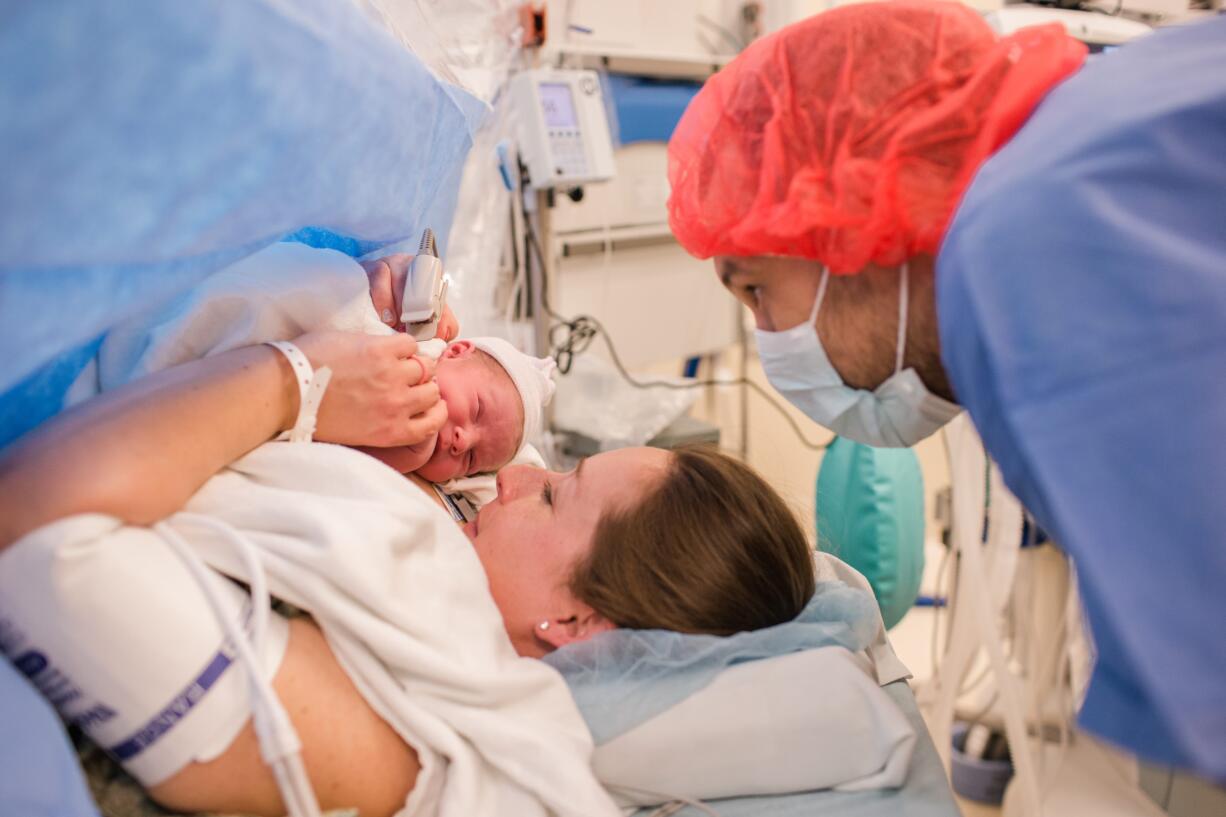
(485,418)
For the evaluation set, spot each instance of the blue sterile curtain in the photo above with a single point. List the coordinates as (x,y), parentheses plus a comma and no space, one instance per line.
(144,145)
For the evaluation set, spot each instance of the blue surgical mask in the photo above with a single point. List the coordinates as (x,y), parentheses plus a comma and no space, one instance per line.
(898,413)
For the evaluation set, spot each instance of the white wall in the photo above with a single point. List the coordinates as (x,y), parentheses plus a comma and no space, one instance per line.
(779,13)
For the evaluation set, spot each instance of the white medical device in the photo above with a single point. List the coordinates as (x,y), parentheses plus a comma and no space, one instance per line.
(425,291)
(563,128)
(1098,31)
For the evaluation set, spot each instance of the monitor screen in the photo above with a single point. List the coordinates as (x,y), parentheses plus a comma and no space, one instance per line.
(558,105)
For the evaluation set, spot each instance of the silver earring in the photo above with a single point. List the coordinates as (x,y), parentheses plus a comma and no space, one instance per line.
(543,626)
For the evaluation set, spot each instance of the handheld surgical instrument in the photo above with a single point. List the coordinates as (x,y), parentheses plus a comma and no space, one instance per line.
(425,290)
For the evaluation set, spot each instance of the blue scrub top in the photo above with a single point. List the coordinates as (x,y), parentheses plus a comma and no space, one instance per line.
(1081,293)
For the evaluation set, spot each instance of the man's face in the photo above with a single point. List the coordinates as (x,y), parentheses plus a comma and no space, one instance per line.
(858,320)
(778,291)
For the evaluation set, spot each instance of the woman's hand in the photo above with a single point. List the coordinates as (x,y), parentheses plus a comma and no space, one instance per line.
(387,276)
(380,393)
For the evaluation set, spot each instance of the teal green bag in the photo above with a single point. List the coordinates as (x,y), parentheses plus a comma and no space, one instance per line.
(870,513)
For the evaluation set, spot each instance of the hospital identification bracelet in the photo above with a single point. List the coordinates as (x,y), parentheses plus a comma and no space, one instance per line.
(311,386)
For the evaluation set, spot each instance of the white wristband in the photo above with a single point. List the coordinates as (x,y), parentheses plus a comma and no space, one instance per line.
(311,386)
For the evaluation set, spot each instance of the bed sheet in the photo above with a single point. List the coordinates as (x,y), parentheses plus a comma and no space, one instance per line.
(925,794)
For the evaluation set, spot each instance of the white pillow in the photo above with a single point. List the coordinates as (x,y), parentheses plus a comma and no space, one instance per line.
(809,720)
(886,665)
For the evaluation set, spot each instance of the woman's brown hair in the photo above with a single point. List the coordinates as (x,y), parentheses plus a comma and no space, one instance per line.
(711,549)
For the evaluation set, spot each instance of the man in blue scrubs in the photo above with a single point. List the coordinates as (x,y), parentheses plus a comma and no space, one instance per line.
(1072,299)
(1081,296)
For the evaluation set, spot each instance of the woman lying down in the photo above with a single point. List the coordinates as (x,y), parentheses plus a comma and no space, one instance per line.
(409,686)
(421,692)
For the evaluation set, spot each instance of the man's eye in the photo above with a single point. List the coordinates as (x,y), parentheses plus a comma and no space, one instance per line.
(547,494)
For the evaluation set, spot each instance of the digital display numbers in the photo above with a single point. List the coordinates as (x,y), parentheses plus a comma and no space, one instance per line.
(558,105)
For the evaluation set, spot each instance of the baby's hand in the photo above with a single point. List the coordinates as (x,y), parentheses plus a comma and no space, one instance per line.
(404,458)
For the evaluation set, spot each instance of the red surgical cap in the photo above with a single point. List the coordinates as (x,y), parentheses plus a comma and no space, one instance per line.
(849,137)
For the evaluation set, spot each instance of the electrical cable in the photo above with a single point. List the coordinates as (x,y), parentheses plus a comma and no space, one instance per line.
(726,34)
(977,718)
(941,589)
(670,803)
(581,330)
(280,747)
(516,291)
(1093,9)
(948,591)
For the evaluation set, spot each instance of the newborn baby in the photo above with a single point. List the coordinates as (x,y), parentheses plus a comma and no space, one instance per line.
(495,396)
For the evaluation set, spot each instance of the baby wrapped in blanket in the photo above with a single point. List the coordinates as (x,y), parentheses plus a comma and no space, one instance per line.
(495,394)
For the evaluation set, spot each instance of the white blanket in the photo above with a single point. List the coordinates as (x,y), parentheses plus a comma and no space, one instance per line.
(403,602)
(278,293)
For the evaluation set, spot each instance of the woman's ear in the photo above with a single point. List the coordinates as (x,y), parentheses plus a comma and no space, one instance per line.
(579,627)
(458,349)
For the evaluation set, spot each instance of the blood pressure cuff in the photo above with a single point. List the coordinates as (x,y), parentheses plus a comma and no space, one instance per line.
(870,514)
(116,634)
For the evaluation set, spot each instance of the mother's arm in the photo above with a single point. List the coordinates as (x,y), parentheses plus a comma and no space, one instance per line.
(141,451)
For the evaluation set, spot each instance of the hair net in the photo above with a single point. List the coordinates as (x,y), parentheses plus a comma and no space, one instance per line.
(849,137)
(533,379)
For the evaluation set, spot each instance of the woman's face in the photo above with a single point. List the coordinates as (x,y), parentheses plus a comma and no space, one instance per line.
(542,523)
